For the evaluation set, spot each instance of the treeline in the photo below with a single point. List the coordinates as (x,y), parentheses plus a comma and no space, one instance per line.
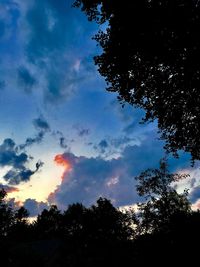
(163,231)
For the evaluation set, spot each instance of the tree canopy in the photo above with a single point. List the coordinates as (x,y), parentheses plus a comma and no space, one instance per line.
(162,200)
(150,56)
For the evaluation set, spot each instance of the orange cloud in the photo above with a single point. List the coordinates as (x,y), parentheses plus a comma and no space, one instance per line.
(61,161)
(12,190)
(9,189)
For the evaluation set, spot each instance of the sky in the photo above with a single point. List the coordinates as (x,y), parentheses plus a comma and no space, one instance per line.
(63,137)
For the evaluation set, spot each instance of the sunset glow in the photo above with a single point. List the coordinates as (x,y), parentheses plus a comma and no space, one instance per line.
(61,161)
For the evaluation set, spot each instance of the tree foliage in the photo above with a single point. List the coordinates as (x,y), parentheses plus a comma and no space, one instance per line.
(151,52)
(162,200)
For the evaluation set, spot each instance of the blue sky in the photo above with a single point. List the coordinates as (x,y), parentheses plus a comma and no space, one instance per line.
(53,101)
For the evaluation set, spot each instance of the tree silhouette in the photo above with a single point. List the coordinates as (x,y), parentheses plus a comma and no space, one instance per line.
(48,223)
(93,235)
(162,201)
(6,215)
(150,56)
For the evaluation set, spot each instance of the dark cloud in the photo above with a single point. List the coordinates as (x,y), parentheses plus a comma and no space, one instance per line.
(8,144)
(123,141)
(39,164)
(195,194)
(62,142)
(34,207)
(15,176)
(9,14)
(21,174)
(10,156)
(30,141)
(42,126)
(81,132)
(102,146)
(112,146)
(86,182)
(8,189)
(91,178)
(54,32)
(47,20)
(26,79)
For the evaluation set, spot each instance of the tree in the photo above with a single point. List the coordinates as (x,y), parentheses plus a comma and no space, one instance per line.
(48,223)
(162,202)
(21,215)
(6,215)
(99,222)
(96,236)
(150,56)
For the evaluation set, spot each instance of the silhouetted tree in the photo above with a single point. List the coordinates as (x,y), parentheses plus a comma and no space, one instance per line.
(94,235)
(21,215)
(165,220)
(74,220)
(151,51)
(48,223)
(110,223)
(6,215)
(162,201)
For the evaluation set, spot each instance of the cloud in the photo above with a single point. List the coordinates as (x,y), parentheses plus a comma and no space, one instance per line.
(110,147)
(53,35)
(42,126)
(9,189)
(195,194)
(26,79)
(46,19)
(41,42)
(81,132)
(10,156)
(30,141)
(62,142)
(34,207)
(8,14)
(103,145)
(20,174)
(90,178)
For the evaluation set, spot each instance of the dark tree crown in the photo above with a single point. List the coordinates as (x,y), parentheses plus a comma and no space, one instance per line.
(151,53)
